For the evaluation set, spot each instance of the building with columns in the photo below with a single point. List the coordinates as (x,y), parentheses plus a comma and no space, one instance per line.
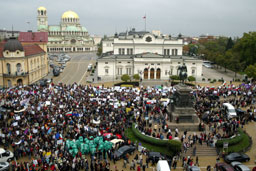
(21,64)
(151,56)
(68,36)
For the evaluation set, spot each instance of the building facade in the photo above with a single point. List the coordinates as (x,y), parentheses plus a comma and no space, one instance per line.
(69,36)
(6,34)
(21,64)
(151,56)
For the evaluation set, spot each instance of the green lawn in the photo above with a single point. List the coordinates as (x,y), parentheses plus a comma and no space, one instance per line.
(161,149)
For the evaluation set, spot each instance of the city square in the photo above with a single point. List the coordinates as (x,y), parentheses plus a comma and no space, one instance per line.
(137,99)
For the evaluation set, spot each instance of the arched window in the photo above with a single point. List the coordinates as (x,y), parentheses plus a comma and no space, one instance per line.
(8,68)
(42,12)
(18,67)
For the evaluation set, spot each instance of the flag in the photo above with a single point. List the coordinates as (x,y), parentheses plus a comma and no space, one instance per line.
(69,114)
(49,131)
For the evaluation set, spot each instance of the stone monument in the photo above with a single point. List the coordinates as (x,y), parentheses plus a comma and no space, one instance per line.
(182,112)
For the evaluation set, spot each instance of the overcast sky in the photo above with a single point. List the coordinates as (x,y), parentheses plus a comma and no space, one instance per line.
(188,17)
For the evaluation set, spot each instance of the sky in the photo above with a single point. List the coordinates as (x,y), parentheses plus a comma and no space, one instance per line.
(105,17)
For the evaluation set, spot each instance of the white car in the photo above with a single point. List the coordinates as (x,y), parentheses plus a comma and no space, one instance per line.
(6,155)
(239,166)
(4,166)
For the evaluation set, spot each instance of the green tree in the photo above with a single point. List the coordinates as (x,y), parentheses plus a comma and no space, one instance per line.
(99,51)
(246,48)
(191,78)
(251,71)
(136,76)
(125,77)
(230,44)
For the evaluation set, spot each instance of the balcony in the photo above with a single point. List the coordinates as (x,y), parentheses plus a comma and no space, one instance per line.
(16,74)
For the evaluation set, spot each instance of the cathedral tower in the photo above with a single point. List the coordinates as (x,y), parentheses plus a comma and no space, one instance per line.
(42,20)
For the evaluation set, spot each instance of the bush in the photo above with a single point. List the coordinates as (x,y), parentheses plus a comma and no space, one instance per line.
(136,76)
(191,78)
(125,77)
(203,79)
(209,79)
(175,77)
(214,80)
(172,145)
(220,80)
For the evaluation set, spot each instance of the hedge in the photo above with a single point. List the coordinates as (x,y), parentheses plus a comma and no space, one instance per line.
(172,145)
(231,141)
(238,144)
(134,83)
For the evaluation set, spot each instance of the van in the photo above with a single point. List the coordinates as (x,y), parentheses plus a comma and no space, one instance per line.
(6,155)
(162,165)
(229,110)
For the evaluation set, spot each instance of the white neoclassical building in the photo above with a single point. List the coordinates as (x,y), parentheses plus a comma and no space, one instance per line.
(151,56)
(69,36)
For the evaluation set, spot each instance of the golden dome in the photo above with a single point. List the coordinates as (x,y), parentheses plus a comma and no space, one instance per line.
(70,14)
(41,9)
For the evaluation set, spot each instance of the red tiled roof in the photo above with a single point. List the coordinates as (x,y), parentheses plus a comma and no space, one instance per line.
(32,49)
(1,51)
(33,37)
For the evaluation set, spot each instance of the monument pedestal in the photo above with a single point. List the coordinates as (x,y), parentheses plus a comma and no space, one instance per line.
(183,111)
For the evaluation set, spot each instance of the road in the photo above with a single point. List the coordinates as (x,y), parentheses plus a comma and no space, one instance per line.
(76,69)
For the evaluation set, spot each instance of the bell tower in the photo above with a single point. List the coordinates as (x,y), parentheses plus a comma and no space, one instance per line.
(42,20)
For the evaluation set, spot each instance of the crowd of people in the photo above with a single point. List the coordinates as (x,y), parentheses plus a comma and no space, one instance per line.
(39,120)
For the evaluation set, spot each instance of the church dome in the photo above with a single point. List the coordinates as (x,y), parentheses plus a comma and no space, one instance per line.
(41,9)
(12,45)
(70,14)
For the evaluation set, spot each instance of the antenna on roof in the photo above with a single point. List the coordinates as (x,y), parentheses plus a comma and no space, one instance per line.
(12,31)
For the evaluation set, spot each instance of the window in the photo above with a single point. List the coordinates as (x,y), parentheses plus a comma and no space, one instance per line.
(158,64)
(18,66)
(128,71)
(106,71)
(166,51)
(128,62)
(129,51)
(171,71)
(8,68)
(166,72)
(119,62)
(119,71)
(146,63)
(178,62)
(193,71)
(152,64)
(106,62)
(194,63)
(122,51)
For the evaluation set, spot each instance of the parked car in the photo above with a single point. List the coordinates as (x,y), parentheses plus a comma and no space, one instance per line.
(193,168)
(213,97)
(162,165)
(229,110)
(116,142)
(236,157)
(6,155)
(240,112)
(122,151)
(4,166)
(239,166)
(156,155)
(223,167)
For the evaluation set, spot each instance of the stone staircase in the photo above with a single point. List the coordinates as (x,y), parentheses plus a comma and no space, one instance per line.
(202,150)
